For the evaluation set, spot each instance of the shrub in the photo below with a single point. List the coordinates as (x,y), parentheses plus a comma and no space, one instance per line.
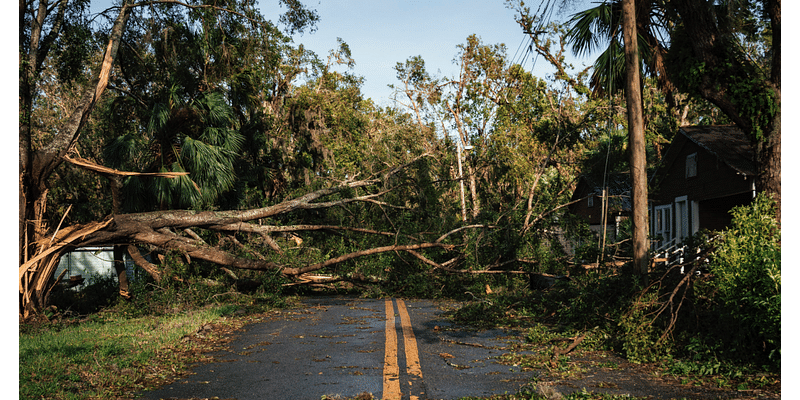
(746,270)
(100,292)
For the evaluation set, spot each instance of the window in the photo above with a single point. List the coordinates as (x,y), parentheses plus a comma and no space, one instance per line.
(691,165)
(662,223)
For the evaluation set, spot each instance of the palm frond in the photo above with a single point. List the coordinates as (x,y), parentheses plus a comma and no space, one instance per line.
(159,117)
(211,167)
(591,28)
(122,150)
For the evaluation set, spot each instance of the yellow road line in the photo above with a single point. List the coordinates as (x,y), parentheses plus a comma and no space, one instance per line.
(391,370)
(409,343)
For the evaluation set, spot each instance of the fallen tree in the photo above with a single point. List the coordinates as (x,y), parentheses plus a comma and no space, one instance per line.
(174,231)
(171,230)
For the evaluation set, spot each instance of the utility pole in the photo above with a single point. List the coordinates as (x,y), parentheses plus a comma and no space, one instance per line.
(461,182)
(636,143)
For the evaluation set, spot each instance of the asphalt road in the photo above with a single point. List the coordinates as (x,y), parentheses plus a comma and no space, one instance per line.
(390,348)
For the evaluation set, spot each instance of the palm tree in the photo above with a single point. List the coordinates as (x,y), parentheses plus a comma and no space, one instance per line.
(197,135)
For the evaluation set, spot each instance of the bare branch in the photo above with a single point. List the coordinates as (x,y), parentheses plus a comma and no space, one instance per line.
(548,212)
(151,269)
(459,229)
(267,229)
(186,218)
(91,166)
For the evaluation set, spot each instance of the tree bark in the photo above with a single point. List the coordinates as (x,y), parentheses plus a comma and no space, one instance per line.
(633,99)
(770,176)
(122,273)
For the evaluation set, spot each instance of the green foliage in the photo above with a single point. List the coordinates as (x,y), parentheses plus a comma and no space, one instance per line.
(540,334)
(641,340)
(198,136)
(736,72)
(746,270)
(199,284)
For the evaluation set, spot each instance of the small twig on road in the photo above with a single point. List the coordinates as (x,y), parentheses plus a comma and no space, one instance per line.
(560,352)
(473,344)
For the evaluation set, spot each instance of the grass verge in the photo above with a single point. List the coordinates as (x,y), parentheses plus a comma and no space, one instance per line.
(109,355)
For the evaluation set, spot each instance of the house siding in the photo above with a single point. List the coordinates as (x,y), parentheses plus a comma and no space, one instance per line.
(592,214)
(716,212)
(714,179)
(93,263)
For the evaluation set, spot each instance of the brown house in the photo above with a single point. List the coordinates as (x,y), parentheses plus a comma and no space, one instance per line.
(706,171)
(590,199)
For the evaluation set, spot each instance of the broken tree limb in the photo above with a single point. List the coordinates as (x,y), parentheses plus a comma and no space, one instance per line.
(151,269)
(557,352)
(65,237)
(103,170)
(194,235)
(459,229)
(267,229)
(180,219)
(308,278)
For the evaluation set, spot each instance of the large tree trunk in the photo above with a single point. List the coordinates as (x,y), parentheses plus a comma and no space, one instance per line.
(769,162)
(36,166)
(769,179)
(158,229)
(633,99)
(122,272)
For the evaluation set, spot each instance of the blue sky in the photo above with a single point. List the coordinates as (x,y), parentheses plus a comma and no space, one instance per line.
(382,33)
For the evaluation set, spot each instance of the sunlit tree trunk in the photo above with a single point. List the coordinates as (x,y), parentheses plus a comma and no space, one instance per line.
(633,99)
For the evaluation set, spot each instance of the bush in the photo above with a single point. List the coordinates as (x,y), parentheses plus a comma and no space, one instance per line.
(101,292)
(746,270)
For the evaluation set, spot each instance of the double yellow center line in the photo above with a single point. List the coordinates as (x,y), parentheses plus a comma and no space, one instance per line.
(391,368)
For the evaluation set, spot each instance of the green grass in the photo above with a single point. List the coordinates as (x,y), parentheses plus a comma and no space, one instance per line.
(109,356)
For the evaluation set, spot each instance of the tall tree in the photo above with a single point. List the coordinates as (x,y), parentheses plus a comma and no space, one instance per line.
(531,24)
(636,145)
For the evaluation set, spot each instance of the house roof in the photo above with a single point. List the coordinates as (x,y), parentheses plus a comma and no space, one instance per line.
(727,142)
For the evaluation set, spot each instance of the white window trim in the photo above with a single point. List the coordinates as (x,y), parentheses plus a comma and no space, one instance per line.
(666,223)
(681,210)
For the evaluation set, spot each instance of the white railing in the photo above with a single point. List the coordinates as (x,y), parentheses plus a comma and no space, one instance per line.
(671,253)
